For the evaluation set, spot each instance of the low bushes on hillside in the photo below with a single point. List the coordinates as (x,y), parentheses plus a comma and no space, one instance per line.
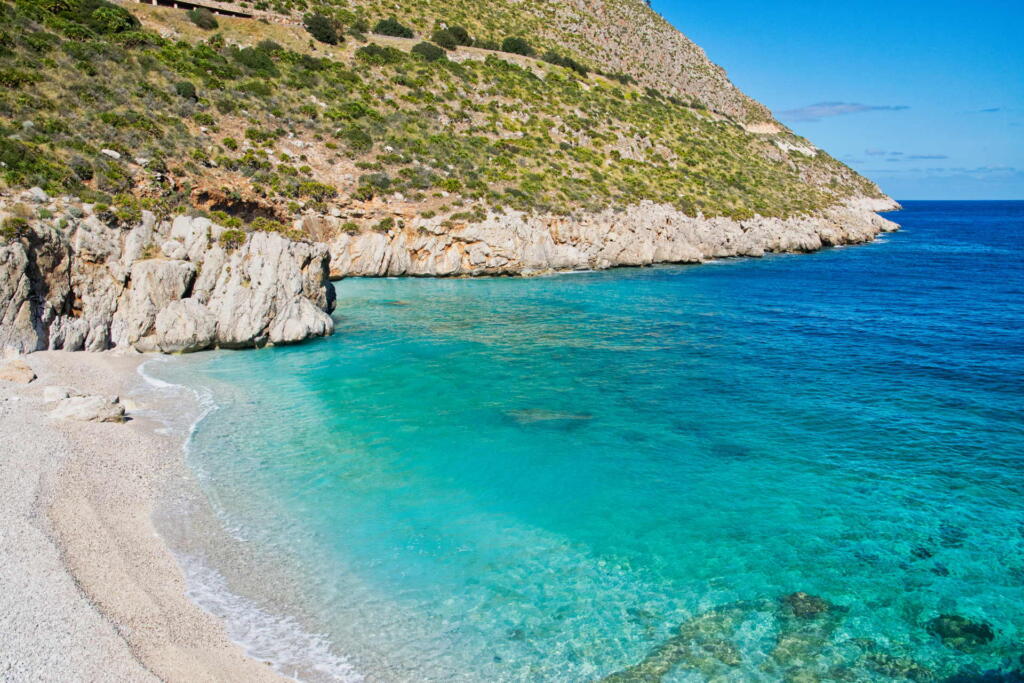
(445,39)
(428,51)
(392,27)
(461,35)
(203,18)
(517,46)
(553,57)
(375,54)
(322,29)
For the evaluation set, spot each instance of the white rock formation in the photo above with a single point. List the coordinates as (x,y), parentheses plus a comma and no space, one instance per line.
(158,286)
(185,326)
(89,409)
(518,243)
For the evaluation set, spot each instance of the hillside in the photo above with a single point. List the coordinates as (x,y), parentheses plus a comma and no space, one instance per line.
(257,119)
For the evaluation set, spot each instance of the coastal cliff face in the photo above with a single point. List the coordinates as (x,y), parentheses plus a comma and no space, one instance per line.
(522,244)
(82,281)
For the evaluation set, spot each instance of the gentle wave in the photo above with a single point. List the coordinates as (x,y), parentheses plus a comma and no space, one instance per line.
(280,640)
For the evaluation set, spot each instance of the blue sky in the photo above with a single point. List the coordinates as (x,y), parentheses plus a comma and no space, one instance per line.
(924,97)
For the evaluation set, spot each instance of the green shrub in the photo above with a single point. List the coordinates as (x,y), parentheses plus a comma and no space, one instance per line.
(232,238)
(487,45)
(317,191)
(375,54)
(428,51)
(186,90)
(203,18)
(82,168)
(350,227)
(357,139)
(257,61)
(461,35)
(15,78)
(112,19)
(517,46)
(391,27)
(445,39)
(269,46)
(553,57)
(230,143)
(13,228)
(385,224)
(322,28)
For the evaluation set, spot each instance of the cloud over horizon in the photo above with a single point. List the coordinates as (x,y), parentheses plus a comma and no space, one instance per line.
(822,110)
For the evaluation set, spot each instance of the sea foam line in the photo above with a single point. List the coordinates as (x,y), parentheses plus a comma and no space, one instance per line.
(293,651)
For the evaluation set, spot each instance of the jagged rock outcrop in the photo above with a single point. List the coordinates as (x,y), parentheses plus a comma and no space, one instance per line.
(518,243)
(80,282)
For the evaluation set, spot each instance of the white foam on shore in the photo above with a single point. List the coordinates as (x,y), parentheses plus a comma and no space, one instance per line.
(294,652)
(280,640)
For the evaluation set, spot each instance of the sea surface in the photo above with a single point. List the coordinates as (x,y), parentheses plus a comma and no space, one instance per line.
(631,473)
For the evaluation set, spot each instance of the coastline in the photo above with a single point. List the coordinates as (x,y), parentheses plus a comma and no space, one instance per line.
(98,592)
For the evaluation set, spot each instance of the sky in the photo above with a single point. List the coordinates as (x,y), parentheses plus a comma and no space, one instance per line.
(925,97)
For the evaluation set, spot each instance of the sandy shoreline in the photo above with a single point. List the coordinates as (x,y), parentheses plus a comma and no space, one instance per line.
(92,591)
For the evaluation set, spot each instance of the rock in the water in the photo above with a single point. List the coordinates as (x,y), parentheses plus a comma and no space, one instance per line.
(806,606)
(897,667)
(960,633)
(89,409)
(17,371)
(185,326)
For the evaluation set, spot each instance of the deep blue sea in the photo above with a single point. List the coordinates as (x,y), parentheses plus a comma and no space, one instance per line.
(632,472)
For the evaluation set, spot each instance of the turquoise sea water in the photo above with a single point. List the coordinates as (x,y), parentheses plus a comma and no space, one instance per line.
(561,478)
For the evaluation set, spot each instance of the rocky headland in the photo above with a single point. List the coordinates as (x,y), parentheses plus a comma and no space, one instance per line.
(83,279)
(517,243)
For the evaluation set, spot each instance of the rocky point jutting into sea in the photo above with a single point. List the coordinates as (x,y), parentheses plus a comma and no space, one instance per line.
(175,285)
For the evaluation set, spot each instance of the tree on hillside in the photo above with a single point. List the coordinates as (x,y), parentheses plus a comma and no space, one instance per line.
(322,28)
(517,46)
(392,27)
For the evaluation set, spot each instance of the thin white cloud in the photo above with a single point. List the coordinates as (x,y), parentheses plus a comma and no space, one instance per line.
(822,110)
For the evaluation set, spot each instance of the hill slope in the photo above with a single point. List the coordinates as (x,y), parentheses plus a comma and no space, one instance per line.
(259,112)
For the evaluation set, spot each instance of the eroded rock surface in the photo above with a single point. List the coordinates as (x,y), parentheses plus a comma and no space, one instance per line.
(79,283)
(515,243)
(89,409)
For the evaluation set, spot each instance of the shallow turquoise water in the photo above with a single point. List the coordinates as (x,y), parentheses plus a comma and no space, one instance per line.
(554,479)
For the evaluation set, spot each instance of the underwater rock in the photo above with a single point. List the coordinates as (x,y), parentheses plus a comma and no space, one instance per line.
(960,633)
(940,570)
(702,645)
(532,415)
(922,553)
(897,667)
(951,535)
(806,606)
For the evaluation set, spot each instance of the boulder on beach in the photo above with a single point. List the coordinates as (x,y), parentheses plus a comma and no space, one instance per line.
(17,371)
(89,409)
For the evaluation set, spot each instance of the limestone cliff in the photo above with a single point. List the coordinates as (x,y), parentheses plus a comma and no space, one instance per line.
(522,244)
(81,281)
